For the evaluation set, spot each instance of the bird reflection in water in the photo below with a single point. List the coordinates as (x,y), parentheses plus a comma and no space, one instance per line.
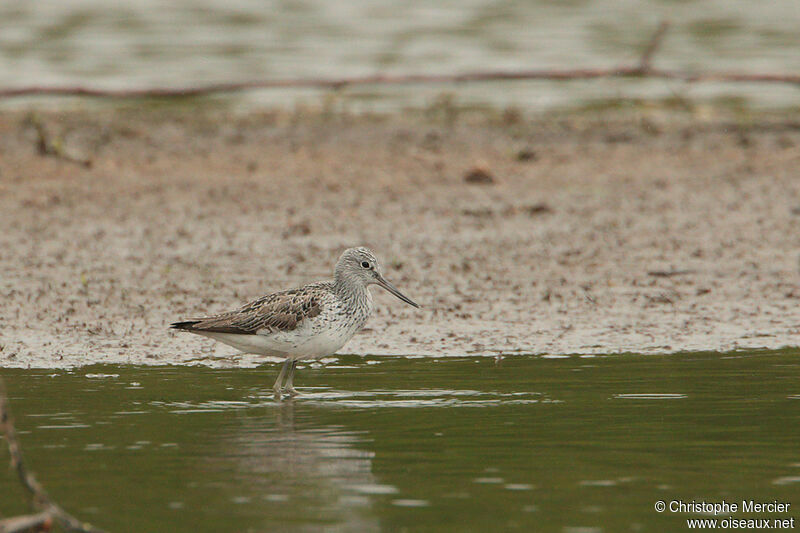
(308,471)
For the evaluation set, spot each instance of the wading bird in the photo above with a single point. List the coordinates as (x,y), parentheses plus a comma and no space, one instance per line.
(305,323)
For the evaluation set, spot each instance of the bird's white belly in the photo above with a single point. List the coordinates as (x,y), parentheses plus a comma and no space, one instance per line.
(257,344)
(322,343)
(306,342)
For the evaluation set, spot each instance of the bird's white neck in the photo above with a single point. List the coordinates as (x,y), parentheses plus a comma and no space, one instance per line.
(354,293)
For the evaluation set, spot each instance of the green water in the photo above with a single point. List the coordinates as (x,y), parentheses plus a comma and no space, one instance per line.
(529,443)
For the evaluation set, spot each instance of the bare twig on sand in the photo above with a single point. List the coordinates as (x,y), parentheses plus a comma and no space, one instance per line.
(643,69)
(50,511)
(47,145)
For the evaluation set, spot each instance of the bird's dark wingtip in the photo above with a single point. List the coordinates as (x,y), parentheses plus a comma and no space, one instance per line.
(184,326)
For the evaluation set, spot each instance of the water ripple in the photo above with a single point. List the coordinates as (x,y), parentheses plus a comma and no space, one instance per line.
(366,399)
(651,396)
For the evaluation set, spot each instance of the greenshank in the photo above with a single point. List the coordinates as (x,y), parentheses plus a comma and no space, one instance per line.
(305,323)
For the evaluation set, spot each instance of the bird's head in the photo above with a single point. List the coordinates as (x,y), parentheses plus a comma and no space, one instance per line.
(360,266)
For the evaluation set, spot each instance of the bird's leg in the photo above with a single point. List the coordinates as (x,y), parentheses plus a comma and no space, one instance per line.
(289,389)
(277,387)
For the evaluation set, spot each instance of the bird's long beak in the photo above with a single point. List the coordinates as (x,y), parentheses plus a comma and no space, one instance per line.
(380,280)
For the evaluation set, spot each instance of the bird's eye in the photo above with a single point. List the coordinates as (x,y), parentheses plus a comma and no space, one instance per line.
(364,264)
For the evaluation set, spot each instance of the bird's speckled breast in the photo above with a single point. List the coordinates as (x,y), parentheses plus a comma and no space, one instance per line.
(340,319)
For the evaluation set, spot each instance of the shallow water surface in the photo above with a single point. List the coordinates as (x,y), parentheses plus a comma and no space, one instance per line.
(191,42)
(528,443)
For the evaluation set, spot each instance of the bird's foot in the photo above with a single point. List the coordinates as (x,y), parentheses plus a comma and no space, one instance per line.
(277,392)
(291,392)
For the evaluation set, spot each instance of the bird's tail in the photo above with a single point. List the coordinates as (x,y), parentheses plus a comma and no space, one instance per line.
(185,325)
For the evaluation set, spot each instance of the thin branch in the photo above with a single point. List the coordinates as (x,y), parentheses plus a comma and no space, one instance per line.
(39,496)
(652,46)
(24,523)
(17,462)
(643,69)
(407,79)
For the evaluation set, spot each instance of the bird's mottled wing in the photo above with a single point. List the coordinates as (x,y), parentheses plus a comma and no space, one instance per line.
(282,311)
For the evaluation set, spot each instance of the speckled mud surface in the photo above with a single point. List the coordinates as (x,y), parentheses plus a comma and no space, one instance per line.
(573,235)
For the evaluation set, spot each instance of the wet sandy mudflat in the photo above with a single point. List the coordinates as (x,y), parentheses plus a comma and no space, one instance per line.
(643,232)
